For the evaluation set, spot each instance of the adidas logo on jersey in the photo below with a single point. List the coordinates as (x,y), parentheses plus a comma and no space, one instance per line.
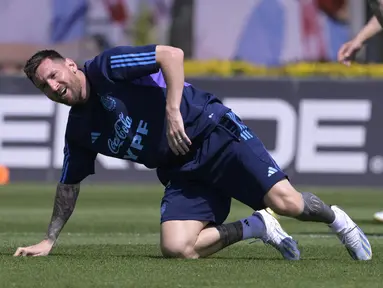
(271,171)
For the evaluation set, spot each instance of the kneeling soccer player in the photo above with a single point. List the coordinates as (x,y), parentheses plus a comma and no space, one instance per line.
(133,103)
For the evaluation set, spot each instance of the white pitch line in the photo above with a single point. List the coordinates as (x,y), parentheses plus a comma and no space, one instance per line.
(319,235)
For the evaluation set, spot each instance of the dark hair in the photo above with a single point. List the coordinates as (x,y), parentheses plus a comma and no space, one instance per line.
(34,62)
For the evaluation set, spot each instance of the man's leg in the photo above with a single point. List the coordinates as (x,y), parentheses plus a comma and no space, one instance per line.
(285,200)
(179,237)
(185,230)
(191,239)
(249,174)
(196,239)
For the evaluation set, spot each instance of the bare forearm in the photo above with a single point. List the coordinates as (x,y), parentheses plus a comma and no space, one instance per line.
(64,204)
(171,62)
(371,28)
(376,22)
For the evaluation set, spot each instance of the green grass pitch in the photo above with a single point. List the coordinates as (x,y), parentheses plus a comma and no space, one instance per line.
(112,240)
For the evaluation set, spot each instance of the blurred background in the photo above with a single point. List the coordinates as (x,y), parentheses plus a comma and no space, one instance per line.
(272,61)
(263,32)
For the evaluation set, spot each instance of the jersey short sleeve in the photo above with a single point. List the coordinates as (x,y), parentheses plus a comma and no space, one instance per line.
(123,63)
(78,163)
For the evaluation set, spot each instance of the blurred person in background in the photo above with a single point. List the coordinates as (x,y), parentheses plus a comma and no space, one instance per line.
(348,51)
(336,9)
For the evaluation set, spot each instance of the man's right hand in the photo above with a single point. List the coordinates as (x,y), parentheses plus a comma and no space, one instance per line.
(65,201)
(41,249)
(348,51)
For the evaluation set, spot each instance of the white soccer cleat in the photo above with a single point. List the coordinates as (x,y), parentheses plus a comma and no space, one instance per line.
(353,237)
(378,216)
(278,238)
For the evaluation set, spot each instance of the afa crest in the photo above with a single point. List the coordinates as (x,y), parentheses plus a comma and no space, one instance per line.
(108,102)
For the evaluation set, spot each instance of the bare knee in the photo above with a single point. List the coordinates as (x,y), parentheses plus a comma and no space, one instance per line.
(173,249)
(178,238)
(284,199)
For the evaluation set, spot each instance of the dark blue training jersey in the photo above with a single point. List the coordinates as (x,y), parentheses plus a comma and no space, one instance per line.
(124,116)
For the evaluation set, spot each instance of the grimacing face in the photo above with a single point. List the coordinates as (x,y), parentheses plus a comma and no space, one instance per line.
(58,80)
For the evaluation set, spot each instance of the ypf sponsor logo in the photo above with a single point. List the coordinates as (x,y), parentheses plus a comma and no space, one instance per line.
(320,136)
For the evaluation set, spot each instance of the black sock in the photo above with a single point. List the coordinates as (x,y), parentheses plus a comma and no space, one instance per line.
(230,233)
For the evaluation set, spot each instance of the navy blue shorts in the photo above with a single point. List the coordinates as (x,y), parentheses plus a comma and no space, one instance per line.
(231,163)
